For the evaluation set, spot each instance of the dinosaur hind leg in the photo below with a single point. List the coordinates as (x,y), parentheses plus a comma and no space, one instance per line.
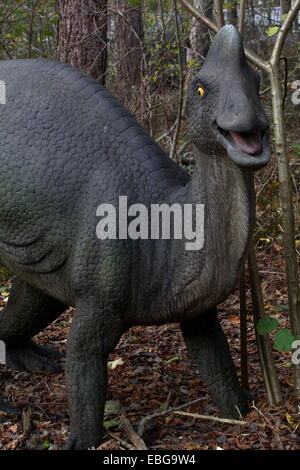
(28,311)
(208,346)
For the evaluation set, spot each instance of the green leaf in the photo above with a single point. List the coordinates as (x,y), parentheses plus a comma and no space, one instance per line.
(287,365)
(266,325)
(135,3)
(281,308)
(111,423)
(296,147)
(283,340)
(175,358)
(47,444)
(272,30)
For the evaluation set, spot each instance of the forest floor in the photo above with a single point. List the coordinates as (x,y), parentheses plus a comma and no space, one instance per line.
(152,374)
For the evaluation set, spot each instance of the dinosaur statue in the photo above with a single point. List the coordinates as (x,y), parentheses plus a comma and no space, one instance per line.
(67,145)
(8,409)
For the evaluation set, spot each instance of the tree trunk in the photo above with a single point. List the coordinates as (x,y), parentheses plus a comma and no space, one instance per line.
(129,46)
(82,38)
(263,342)
(199,34)
(2,52)
(286,187)
(286,197)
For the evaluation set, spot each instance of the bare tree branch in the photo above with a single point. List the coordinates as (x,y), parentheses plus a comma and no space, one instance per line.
(199,16)
(134,438)
(254,58)
(181,85)
(283,32)
(243,329)
(218,7)
(218,420)
(242,16)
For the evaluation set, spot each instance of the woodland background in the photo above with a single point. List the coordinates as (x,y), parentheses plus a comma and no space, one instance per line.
(145,52)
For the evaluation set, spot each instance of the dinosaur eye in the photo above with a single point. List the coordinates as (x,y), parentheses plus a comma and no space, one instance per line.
(201,91)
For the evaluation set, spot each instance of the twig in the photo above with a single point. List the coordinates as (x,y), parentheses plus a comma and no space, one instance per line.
(215,418)
(266,90)
(284,59)
(166,134)
(4,19)
(121,441)
(5,50)
(276,434)
(119,13)
(163,23)
(262,415)
(271,272)
(243,327)
(167,404)
(180,105)
(199,16)
(162,413)
(136,440)
(31,21)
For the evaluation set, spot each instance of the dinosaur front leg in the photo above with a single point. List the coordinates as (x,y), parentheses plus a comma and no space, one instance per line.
(92,336)
(208,346)
(28,311)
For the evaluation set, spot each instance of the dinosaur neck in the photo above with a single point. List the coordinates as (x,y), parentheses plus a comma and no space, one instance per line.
(208,275)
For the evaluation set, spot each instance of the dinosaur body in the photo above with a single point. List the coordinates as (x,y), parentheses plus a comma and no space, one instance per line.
(67,146)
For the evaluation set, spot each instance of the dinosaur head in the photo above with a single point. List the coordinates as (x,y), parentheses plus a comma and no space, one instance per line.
(224,108)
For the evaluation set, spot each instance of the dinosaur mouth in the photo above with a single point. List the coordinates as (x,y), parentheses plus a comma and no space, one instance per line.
(247,149)
(247,142)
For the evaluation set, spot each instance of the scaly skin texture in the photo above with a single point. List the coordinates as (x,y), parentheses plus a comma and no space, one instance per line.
(67,146)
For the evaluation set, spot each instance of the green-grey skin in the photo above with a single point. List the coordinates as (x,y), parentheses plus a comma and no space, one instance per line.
(67,146)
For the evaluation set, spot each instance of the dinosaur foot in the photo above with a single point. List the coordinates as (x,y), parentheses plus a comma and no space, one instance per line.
(8,409)
(70,444)
(33,358)
(239,407)
(76,442)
